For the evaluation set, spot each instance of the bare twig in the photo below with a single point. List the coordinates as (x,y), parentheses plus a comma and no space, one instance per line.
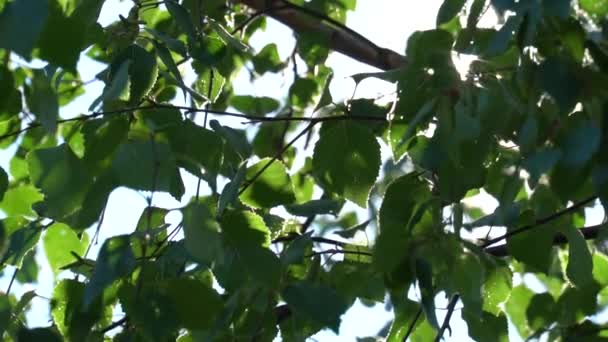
(541,221)
(276,157)
(448,316)
(339,37)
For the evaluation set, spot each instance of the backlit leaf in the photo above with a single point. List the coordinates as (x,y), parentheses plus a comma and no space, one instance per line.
(346,160)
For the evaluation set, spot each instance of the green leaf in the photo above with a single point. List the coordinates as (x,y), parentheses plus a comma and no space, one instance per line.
(269,185)
(197,145)
(210,82)
(72,320)
(540,163)
(21,23)
(115,86)
(502,38)
(559,78)
(42,100)
(315,207)
(598,8)
(10,103)
(59,42)
(5,313)
(405,310)
(229,39)
(252,105)
(149,166)
(102,137)
(486,327)
(468,277)
(346,160)
(167,59)
(181,17)
(400,201)
(197,305)
(18,200)
(21,241)
(496,288)
(318,303)
(115,260)
(38,334)
(448,10)
(244,229)
(267,60)
(60,241)
(541,311)
(580,143)
(201,234)
(143,70)
(516,308)
(231,190)
(262,264)
(62,178)
(17,311)
(3,183)
(600,268)
(580,263)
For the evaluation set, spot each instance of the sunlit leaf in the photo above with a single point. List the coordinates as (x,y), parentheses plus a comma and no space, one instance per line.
(267,185)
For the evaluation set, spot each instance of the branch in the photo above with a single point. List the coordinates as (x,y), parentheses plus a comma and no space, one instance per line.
(446,321)
(338,37)
(589,233)
(276,157)
(541,221)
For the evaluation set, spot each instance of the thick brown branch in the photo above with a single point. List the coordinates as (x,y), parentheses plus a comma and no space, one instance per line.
(345,41)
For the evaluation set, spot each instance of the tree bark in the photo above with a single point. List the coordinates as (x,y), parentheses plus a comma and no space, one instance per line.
(338,39)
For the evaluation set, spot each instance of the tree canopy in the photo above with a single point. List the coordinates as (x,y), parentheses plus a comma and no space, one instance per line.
(315,202)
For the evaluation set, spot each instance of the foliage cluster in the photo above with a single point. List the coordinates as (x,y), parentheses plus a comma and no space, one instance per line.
(528,125)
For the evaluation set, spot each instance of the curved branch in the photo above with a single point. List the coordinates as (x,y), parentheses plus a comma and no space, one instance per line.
(339,38)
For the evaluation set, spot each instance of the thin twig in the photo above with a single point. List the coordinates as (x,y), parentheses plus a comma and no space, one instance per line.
(276,157)
(338,251)
(114,325)
(410,328)
(541,221)
(448,316)
(10,284)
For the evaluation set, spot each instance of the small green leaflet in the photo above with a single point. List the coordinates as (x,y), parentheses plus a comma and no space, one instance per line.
(115,260)
(59,242)
(346,160)
(148,165)
(580,263)
(229,39)
(244,229)
(269,186)
(21,241)
(401,199)
(201,234)
(197,304)
(142,72)
(319,303)
(181,17)
(62,177)
(21,22)
(42,100)
(314,207)
(115,86)
(231,190)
